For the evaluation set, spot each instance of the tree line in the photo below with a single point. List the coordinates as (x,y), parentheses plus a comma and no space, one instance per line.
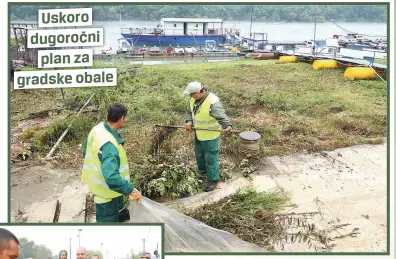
(259,13)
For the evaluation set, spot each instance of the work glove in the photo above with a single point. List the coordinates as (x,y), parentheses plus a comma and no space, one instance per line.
(135,195)
(227,131)
(188,127)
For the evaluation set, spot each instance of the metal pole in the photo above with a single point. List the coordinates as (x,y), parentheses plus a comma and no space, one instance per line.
(70,247)
(314,43)
(251,22)
(144,245)
(79,233)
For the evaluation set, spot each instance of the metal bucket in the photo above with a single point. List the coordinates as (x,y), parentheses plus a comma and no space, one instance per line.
(249,142)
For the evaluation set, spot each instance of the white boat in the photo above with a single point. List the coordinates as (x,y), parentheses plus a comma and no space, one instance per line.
(124,46)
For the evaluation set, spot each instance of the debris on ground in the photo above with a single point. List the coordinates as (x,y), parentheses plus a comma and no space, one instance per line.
(252,216)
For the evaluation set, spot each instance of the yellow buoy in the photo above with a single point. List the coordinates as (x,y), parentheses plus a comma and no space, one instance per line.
(234,49)
(358,73)
(287,59)
(323,63)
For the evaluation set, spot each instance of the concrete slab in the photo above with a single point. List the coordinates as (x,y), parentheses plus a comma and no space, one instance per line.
(345,185)
(369,234)
(73,210)
(370,207)
(262,183)
(73,203)
(74,189)
(42,212)
(380,221)
(268,168)
(343,210)
(374,248)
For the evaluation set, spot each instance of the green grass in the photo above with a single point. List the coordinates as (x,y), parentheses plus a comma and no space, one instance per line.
(383,61)
(292,106)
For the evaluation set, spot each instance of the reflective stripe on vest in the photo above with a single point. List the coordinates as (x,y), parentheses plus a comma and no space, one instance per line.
(92,168)
(203,119)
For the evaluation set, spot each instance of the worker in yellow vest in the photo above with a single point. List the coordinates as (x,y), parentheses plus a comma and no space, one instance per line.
(106,169)
(206,111)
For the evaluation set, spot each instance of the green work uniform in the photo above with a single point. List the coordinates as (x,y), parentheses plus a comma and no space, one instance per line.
(114,210)
(207,150)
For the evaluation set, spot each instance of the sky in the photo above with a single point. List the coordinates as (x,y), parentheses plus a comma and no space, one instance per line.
(118,240)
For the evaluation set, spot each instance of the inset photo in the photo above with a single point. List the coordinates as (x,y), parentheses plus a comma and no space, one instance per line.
(81,242)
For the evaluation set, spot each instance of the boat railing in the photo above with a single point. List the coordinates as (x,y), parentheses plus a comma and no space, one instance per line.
(180,32)
(154,31)
(231,31)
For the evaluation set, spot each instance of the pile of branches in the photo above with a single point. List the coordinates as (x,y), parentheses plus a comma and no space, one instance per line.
(166,178)
(252,217)
(171,176)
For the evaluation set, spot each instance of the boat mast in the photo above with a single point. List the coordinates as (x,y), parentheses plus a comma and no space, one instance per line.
(314,43)
(251,22)
(120,14)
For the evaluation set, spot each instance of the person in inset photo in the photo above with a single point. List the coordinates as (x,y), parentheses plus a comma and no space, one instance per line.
(81,253)
(9,245)
(63,254)
(146,256)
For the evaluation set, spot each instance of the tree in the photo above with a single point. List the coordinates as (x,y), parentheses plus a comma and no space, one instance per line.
(30,250)
(26,248)
(269,13)
(41,251)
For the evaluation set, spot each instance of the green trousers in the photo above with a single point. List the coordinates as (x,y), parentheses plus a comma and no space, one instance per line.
(112,211)
(207,155)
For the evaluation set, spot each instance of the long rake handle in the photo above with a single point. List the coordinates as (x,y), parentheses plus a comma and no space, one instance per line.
(182,127)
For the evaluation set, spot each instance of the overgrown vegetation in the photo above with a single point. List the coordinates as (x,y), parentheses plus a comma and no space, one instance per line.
(293,107)
(253,217)
(44,138)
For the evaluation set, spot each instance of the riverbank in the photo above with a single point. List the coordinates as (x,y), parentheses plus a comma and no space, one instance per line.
(295,109)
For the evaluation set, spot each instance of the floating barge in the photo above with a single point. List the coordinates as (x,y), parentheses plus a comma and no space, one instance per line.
(182,31)
(167,55)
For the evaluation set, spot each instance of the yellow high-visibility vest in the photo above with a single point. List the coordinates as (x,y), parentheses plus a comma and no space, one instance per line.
(92,168)
(203,119)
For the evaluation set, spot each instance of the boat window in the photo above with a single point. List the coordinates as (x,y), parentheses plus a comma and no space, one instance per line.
(174,25)
(196,25)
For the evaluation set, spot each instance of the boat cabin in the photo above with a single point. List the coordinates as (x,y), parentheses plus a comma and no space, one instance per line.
(196,27)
